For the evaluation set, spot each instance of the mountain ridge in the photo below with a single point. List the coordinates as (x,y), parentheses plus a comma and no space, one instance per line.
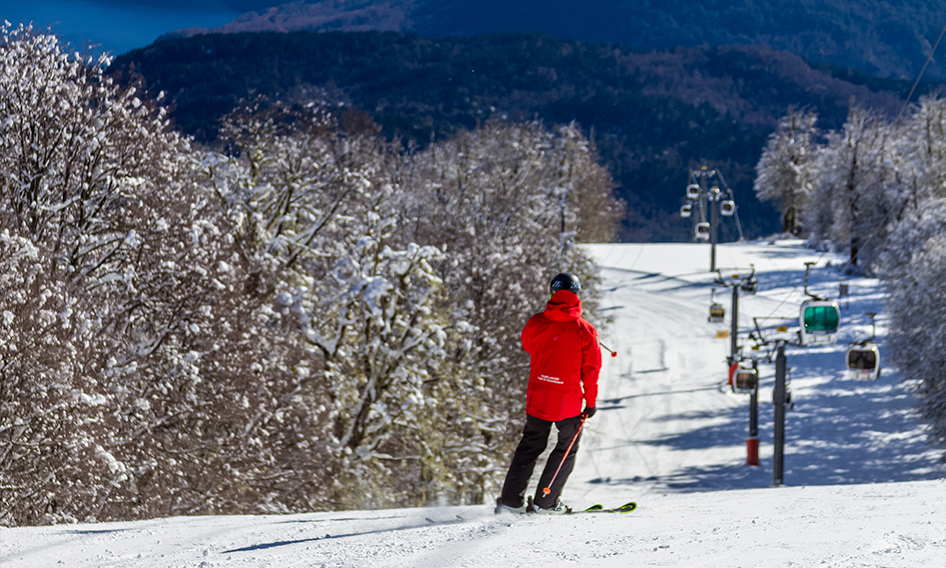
(870,35)
(653,115)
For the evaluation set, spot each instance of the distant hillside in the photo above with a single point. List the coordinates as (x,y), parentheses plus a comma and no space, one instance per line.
(652,115)
(882,38)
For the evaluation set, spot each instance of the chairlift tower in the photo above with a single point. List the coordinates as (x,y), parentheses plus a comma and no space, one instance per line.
(818,323)
(743,379)
(703,191)
(780,400)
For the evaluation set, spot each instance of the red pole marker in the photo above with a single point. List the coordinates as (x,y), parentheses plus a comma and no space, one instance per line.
(752,450)
(613,353)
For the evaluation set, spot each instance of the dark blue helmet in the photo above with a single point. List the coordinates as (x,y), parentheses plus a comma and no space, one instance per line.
(565,281)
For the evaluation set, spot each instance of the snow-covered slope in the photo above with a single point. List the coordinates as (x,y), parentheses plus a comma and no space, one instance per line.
(840,431)
(888,525)
(862,487)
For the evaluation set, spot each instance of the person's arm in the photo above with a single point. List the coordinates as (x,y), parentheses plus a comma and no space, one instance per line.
(590,367)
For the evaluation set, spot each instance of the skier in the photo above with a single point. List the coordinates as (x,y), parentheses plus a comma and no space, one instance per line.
(564,366)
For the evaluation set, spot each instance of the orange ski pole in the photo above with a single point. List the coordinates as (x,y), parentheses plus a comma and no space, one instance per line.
(547,490)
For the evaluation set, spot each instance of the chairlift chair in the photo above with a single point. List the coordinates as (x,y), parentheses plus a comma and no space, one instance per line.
(750,285)
(702,231)
(686,210)
(727,207)
(819,321)
(693,191)
(863,361)
(745,379)
(717,313)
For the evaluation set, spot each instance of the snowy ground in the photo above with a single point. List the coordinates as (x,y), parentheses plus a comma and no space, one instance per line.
(861,486)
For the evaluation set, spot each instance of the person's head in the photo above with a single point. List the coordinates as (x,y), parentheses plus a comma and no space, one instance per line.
(565,281)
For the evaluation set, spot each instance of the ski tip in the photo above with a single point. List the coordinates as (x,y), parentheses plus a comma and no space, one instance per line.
(598,508)
(627,507)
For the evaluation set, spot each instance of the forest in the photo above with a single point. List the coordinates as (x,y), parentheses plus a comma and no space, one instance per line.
(877,37)
(652,116)
(303,313)
(311,318)
(876,189)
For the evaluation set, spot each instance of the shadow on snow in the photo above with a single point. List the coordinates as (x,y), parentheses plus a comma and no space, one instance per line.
(411,525)
(839,432)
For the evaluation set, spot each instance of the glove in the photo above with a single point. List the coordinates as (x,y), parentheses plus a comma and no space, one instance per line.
(589,412)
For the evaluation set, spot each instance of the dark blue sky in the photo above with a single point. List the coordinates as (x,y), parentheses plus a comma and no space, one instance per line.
(119,26)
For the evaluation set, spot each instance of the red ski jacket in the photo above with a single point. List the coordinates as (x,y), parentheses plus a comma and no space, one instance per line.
(565,359)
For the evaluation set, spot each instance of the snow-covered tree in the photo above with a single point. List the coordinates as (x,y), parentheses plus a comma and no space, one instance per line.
(914,264)
(138,260)
(784,173)
(584,189)
(854,195)
(877,189)
(915,273)
(56,461)
(309,319)
(504,203)
(923,153)
(319,213)
(338,216)
(77,149)
(97,182)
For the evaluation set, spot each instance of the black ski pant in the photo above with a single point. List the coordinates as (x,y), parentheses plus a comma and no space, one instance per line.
(535,437)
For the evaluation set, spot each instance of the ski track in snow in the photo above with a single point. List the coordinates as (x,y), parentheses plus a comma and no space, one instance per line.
(862,489)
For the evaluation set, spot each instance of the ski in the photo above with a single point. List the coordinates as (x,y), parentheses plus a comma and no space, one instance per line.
(597,508)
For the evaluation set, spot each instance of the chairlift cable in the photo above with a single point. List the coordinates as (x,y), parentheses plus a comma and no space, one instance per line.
(789,295)
(662,393)
(745,313)
(738,224)
(720,175)
(917,82)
